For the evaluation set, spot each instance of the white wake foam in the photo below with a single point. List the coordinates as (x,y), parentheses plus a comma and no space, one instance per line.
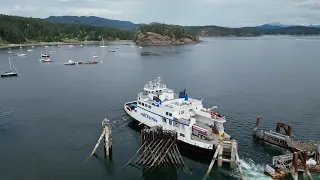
(251,171)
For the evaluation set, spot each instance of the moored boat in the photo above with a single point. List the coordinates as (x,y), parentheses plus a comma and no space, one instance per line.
(70,62)
(11,72)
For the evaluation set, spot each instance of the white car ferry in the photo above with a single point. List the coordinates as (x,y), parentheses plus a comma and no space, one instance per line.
(196,126)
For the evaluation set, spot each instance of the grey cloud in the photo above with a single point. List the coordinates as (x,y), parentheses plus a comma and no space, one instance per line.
(311,6)
(184,12)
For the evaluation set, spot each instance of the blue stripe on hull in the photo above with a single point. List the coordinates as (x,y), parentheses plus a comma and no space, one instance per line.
(163,116)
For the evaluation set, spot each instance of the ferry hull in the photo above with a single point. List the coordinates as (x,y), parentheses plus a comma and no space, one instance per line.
(181,144)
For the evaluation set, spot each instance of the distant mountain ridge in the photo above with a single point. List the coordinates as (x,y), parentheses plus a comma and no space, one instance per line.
(95,21)
(278,25)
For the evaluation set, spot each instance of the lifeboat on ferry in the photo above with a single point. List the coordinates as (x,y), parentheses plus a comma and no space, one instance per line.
(215,114)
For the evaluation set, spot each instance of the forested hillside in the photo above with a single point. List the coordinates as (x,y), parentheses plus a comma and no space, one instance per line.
(15,29)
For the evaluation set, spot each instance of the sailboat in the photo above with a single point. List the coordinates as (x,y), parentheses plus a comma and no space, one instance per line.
(10,73)
(30,49)
(103,46)
(52,50)
(81,45)
(10,52)
(58,45)
(21,54)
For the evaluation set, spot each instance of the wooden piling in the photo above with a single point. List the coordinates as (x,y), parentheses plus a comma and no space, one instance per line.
(106,134)
(295,165)
(212,161)
(97,145)
(220,156)
(107,137)
(233,156)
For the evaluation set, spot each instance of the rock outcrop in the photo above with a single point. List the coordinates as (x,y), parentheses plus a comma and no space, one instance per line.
(151,38)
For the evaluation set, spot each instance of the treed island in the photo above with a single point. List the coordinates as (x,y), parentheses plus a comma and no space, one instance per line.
(16,29)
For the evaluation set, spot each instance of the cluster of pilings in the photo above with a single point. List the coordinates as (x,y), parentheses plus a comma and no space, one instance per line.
(158,148)
(106,134)
(226,152)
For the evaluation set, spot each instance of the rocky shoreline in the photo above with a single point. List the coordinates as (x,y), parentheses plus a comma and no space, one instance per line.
(154,39)
(3,46)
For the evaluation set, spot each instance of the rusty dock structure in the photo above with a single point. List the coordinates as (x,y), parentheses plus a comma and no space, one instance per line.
(305,156)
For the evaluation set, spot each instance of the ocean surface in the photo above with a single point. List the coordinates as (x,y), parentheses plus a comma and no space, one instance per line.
(50,116)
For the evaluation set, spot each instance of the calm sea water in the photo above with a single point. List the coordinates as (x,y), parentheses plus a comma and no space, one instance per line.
(50,116)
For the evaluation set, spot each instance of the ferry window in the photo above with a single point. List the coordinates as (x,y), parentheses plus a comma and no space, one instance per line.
(176,124)
(182,135)
(145,105)
(170,121)
(167,113)
(149,107)
(164,120)
(170,114)
(142,104)
(139,102)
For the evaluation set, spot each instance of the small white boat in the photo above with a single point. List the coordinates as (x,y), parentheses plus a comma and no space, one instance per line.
(70,62)
(45,55)
(112,50)
(70,45)
(32,46)
(45,60)
(140,47)
(22,54)
(29,50)
(46,46)
(94,56)
(81,45)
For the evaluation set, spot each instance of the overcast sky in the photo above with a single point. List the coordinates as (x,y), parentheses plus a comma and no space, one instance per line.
(231,13)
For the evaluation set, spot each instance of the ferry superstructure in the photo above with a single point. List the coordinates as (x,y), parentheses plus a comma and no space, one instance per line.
(196,126)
